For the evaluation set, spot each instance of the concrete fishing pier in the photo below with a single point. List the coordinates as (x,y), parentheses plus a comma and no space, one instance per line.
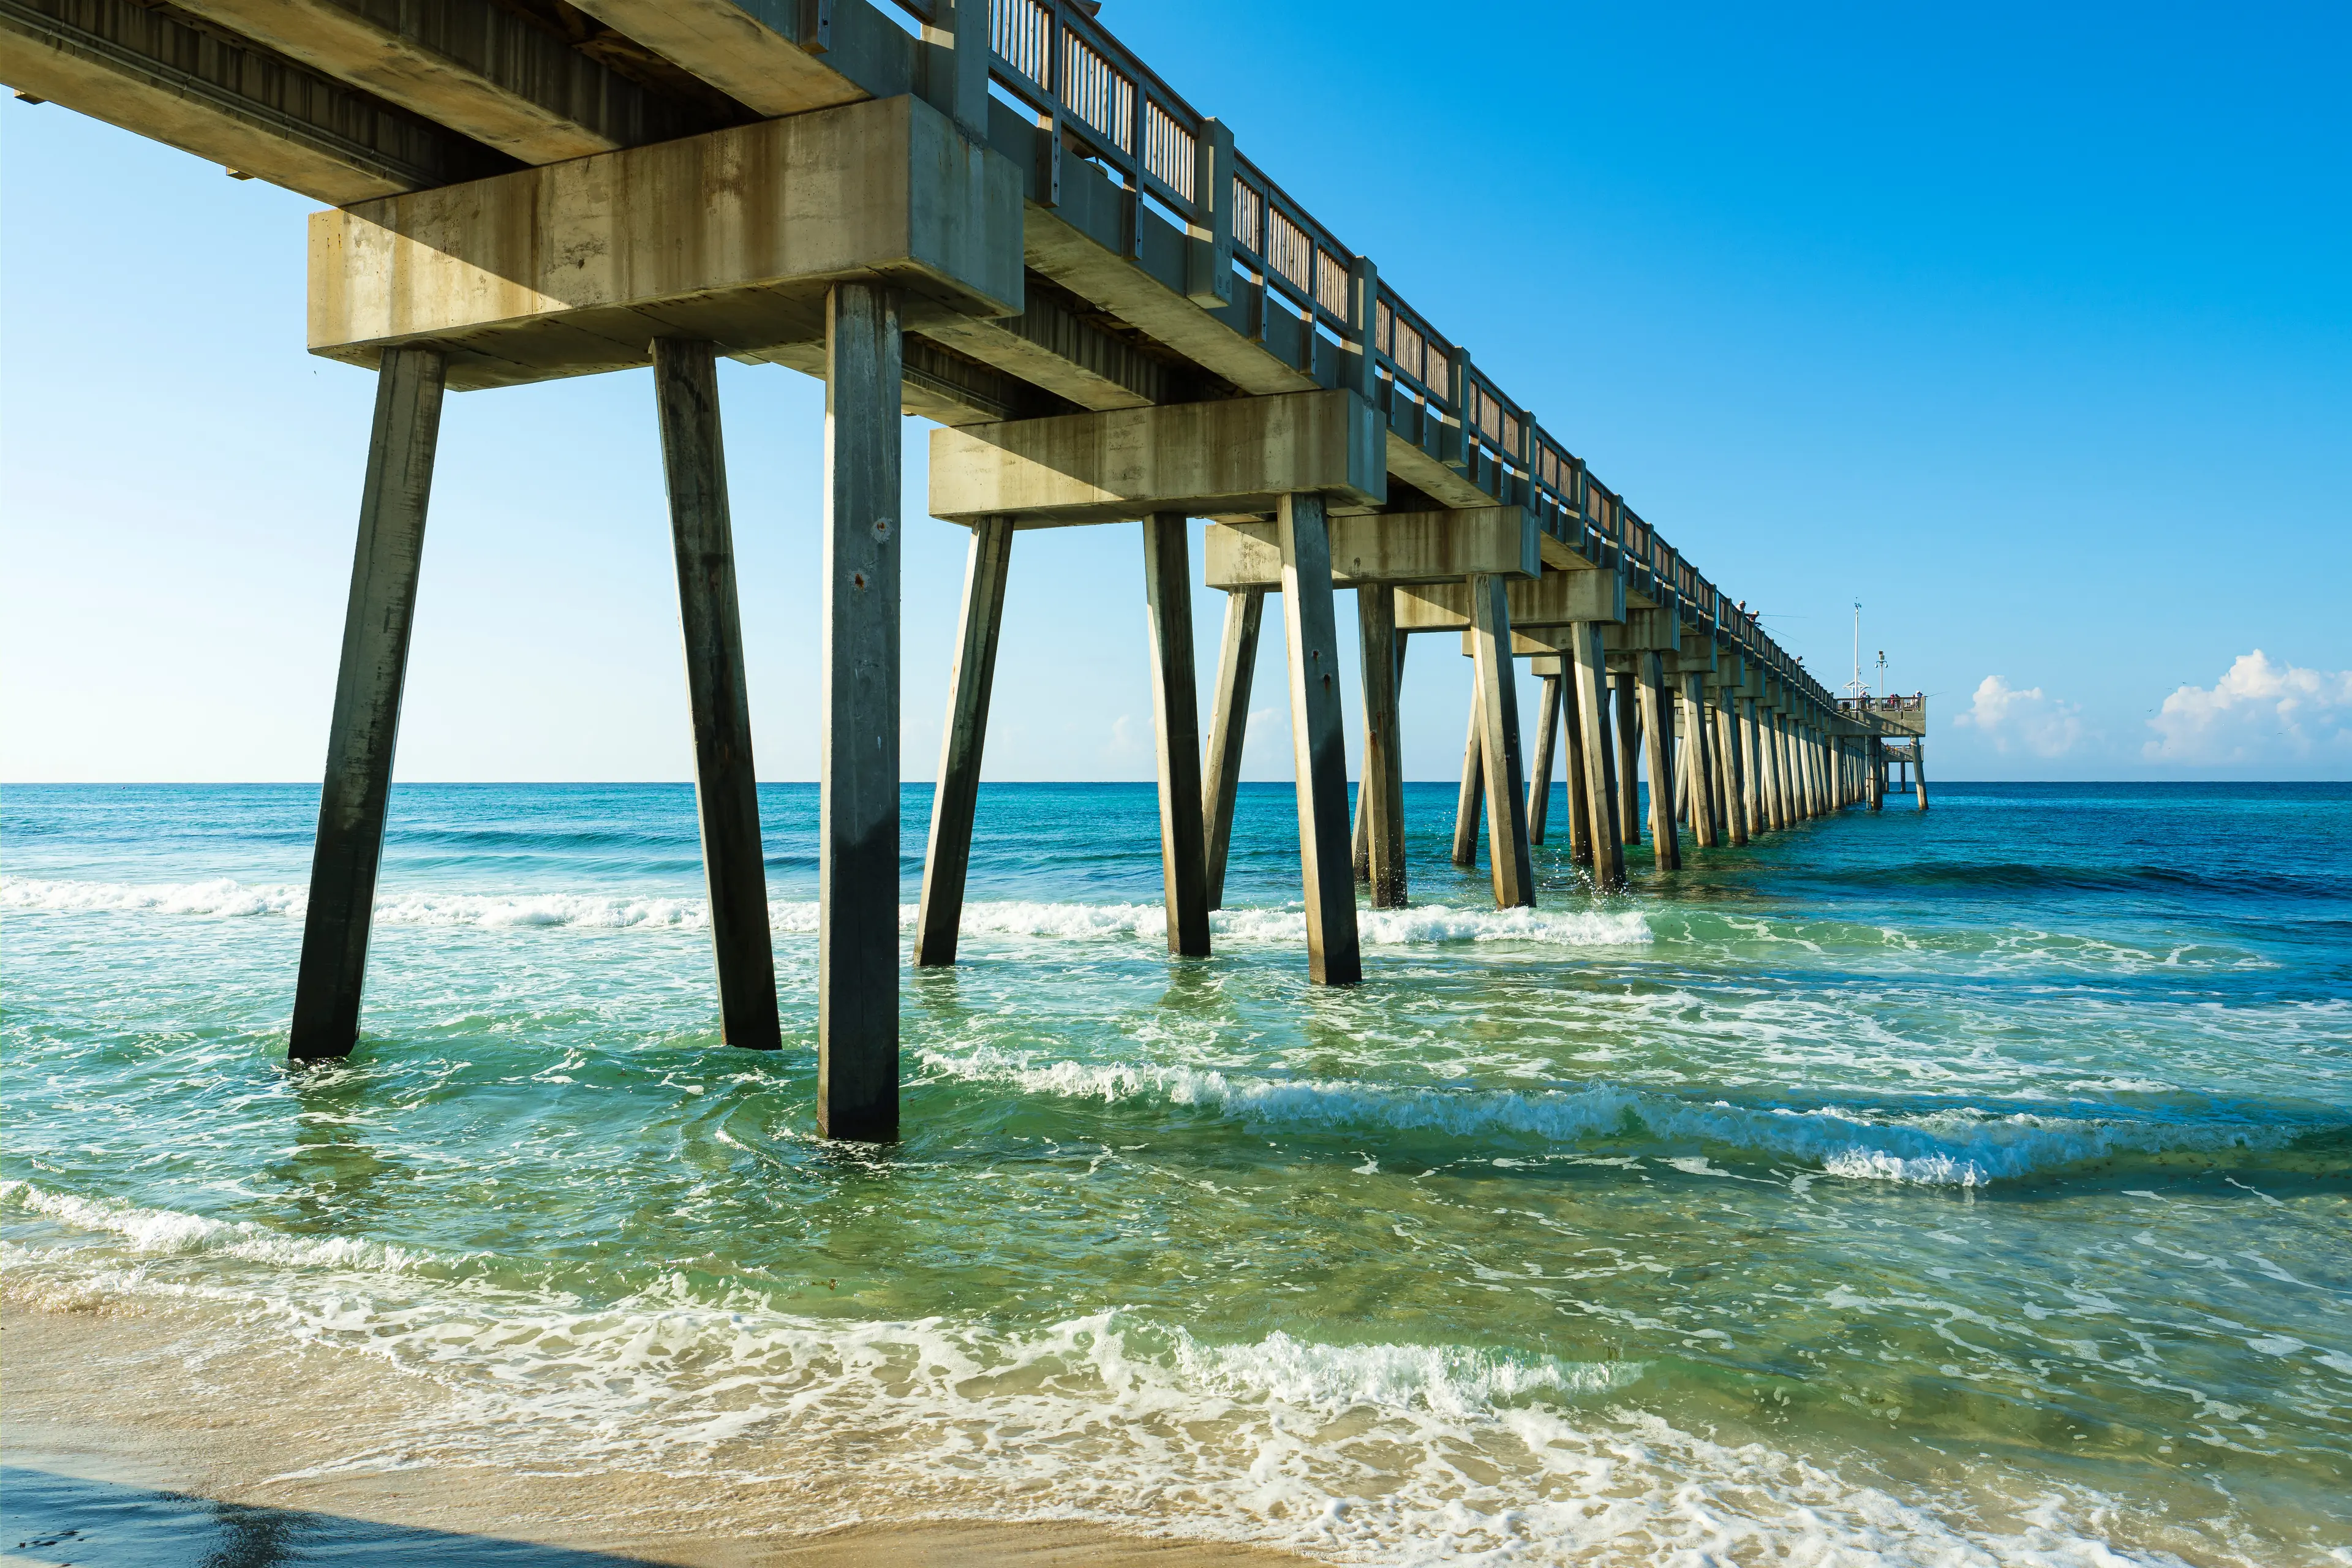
(997,218)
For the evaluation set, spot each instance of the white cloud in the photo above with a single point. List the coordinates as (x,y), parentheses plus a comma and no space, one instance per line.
(2258,710)
(2022,721)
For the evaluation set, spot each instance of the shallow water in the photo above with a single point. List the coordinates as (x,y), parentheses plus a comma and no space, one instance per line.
(1965,1188)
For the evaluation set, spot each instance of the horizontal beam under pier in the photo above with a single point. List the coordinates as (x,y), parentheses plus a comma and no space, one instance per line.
(734,236)
(1384,547)
(1235,455)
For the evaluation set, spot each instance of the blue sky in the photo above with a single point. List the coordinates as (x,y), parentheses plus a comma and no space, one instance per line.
(2028,327)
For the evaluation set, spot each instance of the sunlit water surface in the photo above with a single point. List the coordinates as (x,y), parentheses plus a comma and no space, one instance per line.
(1965,1188)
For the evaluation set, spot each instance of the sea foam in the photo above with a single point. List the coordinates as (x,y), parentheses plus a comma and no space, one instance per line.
(1413,1454)
(1943,1148)
(221,897)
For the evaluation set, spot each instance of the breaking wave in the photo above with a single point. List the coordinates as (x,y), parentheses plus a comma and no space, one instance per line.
(1373,1451)
(1948,1148)
(223,898)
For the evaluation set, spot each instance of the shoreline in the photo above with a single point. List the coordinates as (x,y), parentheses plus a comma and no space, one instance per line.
(129,1403)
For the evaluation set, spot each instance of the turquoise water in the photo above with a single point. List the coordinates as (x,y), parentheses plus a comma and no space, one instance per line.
(1966,1188)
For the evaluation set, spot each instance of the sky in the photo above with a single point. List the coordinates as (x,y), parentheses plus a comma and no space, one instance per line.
(2029,328)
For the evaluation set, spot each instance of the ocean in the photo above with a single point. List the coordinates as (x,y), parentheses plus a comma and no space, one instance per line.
(1965,1188)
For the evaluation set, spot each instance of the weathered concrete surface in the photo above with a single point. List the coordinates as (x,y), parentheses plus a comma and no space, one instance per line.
(1386,547)
(1240,454)
(482,70)
(1554,599)
(733,237)
(232,103)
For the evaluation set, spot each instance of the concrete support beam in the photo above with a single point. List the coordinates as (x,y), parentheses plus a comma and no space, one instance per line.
(1387,547)
(1874,781)
(1658,735)
(1505,784)
(228,101)
(1591,695)
(734,236)
(1470,800)
(1554,599)
(482,70)
(857,838)
(752,51)
(1628,757)
(1919,773)
(1698,764)
(1176,725)
(1380,789)
(1319,744)
(1240,454)
(1228,729)
(1547,745)
(365,728)
(1360,854)
(726,786)
(955,800)
(1729,773)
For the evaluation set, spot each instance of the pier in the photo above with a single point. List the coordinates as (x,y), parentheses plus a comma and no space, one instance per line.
(997,218)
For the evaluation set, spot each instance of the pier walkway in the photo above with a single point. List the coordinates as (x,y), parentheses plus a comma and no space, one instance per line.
(999,218)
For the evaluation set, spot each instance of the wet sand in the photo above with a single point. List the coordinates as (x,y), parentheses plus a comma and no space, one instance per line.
(130,1439)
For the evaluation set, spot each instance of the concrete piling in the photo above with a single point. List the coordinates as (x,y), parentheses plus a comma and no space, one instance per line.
(1625,762)
(1319,744)
(726,787)
(1505,784)
(1469,800)
(1590,679)
(946,859)
(1381,793)
(1228,729)
(1658,741)
(365,728)
(857,841)
(1176,725)
(1540,764)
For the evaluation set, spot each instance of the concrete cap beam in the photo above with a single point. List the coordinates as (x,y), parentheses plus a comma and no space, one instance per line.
(1386,547)
(1237,455)
(733,236)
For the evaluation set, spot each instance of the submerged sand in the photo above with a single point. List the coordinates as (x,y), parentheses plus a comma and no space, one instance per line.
(141,1400)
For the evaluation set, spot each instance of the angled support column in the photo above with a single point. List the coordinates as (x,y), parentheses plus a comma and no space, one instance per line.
(857,838)
(1874,781)
(726,789)
(1728,773)
(1628,757)
(1591,678)
(1698,767)
(1319,744)
(1228,729)
(1473,796)
(362,735)
(946,859)
(1539,774)
(1505,784)
(1380,797)
(1658,741)
(1176,721)
(1920,771)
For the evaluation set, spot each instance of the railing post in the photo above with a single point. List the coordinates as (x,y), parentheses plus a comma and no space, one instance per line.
(955,65)
(1209,255)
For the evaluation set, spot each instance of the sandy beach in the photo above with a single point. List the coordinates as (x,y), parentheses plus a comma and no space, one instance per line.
(137,1403)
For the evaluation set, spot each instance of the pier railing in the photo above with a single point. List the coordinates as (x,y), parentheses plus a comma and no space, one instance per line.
(1092,93)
